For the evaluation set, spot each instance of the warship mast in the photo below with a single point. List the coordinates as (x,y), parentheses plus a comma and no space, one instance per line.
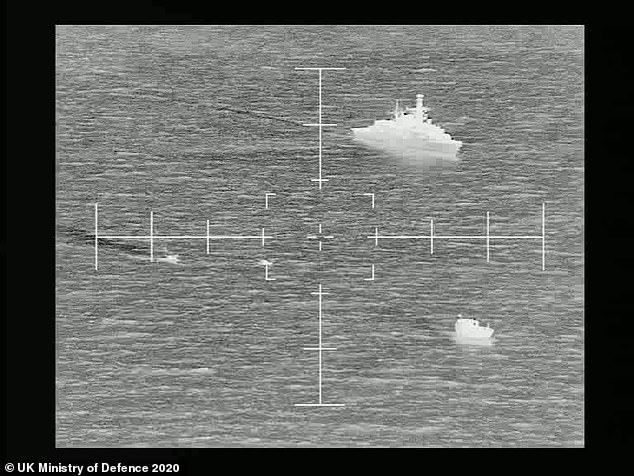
(420,110)
(396,110)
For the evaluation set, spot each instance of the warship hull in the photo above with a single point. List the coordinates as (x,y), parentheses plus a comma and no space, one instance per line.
(406,145)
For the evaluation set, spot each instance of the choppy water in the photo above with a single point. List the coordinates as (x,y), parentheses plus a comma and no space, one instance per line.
(197,123)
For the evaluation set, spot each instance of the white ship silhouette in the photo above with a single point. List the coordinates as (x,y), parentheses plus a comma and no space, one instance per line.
(410,133)
(471,329)
(168,257)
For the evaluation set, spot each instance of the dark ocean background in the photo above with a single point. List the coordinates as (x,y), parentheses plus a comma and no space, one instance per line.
(197,123)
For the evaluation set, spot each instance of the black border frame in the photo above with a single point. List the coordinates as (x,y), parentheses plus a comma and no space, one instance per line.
(30,193)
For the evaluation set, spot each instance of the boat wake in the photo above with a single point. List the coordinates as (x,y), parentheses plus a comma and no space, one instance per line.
(252,112)
(76,235)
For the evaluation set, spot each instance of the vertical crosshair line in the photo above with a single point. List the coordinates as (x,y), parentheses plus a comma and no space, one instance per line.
(151,236)
(320,127)
(320,341)
(207,236)
(543,236)
(96,236)
(431,236)
(487,237)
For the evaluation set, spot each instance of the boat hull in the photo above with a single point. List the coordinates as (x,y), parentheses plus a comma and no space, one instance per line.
(482,333)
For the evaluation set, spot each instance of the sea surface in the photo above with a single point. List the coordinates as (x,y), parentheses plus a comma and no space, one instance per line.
(197,123)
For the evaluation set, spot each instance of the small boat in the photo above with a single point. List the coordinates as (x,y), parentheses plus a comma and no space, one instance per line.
(471,329)
(172,258)
(168,257)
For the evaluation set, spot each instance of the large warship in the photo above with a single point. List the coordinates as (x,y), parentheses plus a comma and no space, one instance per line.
(410,133)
